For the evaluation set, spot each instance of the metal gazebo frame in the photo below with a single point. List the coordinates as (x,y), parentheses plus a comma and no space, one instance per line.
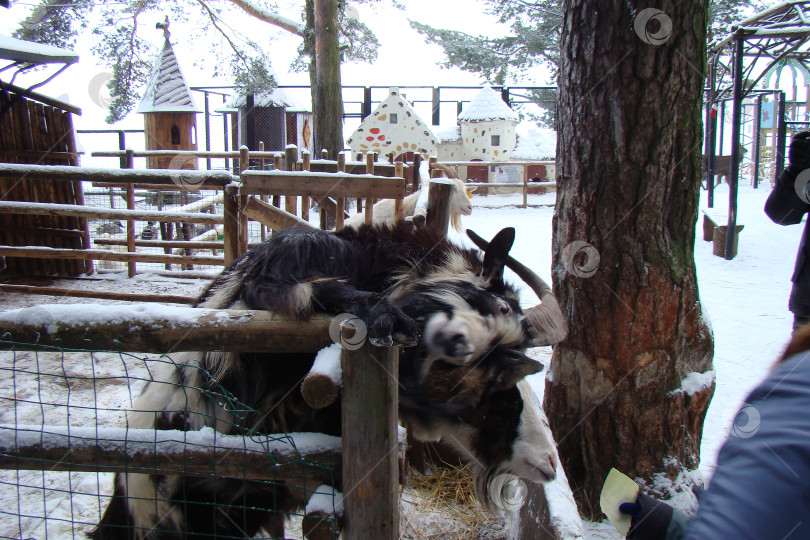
(777,34)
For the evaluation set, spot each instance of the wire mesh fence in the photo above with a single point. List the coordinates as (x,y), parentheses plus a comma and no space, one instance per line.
(65,429)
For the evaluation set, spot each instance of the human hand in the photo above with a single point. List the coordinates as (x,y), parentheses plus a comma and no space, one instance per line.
(651,518)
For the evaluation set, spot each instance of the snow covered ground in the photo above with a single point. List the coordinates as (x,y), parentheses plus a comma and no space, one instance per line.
(745,300)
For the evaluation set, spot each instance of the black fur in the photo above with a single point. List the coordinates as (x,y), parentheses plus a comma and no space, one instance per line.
(395,280)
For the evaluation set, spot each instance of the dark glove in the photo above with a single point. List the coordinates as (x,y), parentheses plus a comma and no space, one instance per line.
(651,518)
(799,152)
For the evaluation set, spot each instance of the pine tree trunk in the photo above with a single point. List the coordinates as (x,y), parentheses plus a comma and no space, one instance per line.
(628,173)
(327,97)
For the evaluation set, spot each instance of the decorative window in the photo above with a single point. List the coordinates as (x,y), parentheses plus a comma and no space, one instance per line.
(393,118)
(495,140)
(175,134)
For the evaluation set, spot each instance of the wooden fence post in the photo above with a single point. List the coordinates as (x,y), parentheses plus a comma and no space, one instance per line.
(278,164)
(369,200)
(438,212)
(244,165)
(399,172)
(305,166)
(370,445)
(525,186)
(291,160)
(415,178)
(130,164)
(340,213)
(231,225)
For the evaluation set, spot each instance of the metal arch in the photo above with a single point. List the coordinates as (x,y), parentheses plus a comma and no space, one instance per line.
(777,34)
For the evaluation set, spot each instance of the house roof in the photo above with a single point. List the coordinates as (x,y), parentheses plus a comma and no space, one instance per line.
(19,50)
(167,90)
(447,133)
(394,127)
(275,98)
(487,106)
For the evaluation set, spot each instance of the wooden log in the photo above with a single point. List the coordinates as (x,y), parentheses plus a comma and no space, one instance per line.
(370,445)
(416,181)
(275,218)
(438,213)
(192,453)
(318,390)
(154,187)
(104,295)
(322,184)
(103,254)
(47,209)
(231,224)
(160,329)
(202,154)
(278,165)
(148,176)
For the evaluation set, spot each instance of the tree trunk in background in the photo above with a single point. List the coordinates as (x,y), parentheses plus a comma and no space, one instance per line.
(628,174)
(327,97)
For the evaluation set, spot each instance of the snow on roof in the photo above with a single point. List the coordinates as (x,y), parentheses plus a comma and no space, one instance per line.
(538,143)
(447,133)
(19,50)
(487,106)
(167,90)
(275,98)
(393,128)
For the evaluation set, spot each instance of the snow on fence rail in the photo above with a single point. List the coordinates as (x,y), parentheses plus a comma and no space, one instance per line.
(369,404)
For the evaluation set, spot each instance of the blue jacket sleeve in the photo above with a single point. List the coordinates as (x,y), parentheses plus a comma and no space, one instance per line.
(760,488)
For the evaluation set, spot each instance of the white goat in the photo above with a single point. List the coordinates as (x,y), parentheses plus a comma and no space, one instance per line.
(460,204)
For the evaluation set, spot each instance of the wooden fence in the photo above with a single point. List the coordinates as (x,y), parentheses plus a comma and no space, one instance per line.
(368,463)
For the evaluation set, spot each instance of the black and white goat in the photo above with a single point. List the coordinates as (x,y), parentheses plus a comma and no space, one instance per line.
(461,381)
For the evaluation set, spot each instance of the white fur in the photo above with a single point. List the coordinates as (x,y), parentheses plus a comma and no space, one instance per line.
(460,205)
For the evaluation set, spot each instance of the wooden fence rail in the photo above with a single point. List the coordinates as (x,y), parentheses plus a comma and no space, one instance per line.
(368,462)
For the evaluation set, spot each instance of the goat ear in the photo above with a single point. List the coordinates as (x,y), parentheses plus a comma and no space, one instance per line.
(496,254)
(515,367)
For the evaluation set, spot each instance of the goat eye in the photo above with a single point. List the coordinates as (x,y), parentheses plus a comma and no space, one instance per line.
(504,308)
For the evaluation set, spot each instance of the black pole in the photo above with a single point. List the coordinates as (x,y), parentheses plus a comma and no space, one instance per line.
(722,117)
(436,103)
(711,130)
(757,127)
(781,135)
(250,126)
(122,145)
(505,96)
(366,102)
(225,117)
(734,169)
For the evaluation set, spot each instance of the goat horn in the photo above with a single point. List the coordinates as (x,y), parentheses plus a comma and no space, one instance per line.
(546,319)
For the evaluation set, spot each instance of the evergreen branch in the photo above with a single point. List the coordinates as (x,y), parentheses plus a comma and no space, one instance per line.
(275,19)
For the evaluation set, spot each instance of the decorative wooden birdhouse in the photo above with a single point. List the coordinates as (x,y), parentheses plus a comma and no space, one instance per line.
(170,114)
(394,128)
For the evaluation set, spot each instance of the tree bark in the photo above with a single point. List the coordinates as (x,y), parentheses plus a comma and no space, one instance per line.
(328,103)
(628,162)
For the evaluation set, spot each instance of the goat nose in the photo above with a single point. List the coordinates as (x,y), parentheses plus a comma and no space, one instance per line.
(549,466)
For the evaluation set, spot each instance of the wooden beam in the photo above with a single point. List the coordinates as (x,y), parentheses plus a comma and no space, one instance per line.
(183,179)
(193,453)
(161,329)
(231,228)
(275,218)
(370,444)
(105,255)
(438,210)
(75,210)
(105,295)
(322,184)
(190,244)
